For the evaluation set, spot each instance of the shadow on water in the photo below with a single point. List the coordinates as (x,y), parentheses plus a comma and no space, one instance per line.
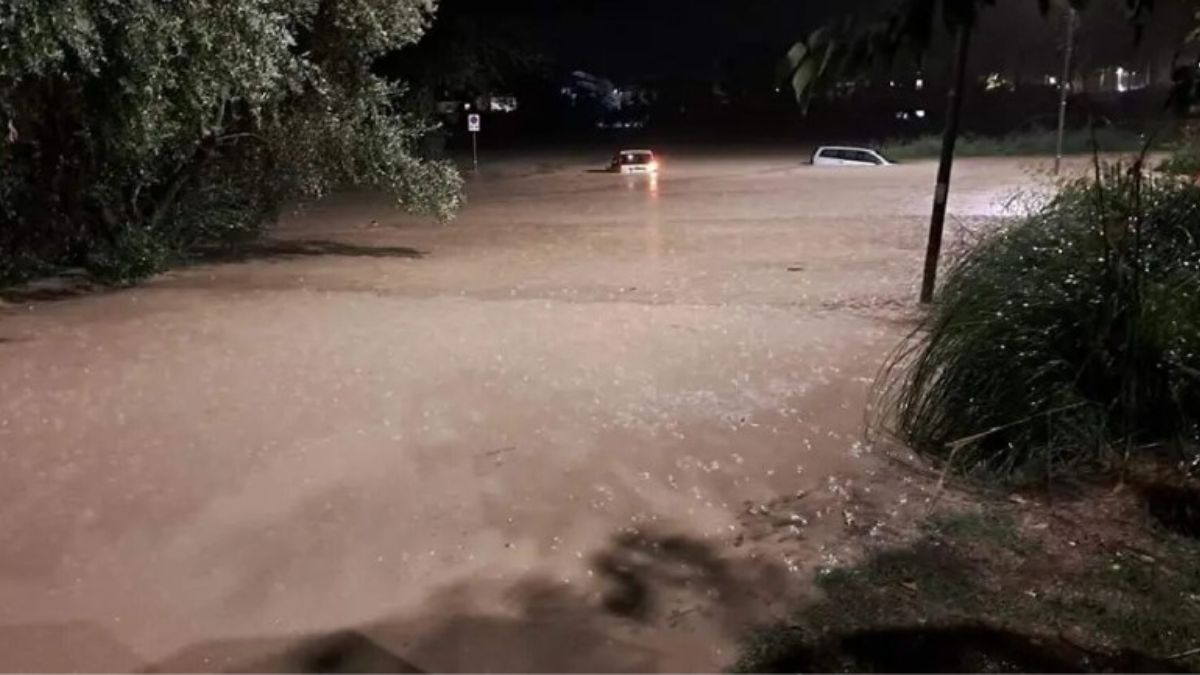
(643,583)
(64,286)
(639,569)
(283,250)
(76,283)
(647,583)
(342,652)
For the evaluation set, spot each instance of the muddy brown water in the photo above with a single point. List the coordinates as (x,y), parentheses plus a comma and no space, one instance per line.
(523,440)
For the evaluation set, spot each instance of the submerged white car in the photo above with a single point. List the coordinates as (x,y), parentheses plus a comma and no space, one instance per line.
(835,155)
(634,161)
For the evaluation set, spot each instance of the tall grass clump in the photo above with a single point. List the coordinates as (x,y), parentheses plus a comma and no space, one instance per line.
(1183,160)
(1066,341)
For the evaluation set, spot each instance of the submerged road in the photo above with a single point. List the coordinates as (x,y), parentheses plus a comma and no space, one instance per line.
(524,440)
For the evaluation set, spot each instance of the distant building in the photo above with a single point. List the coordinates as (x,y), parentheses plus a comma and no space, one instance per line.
(500,104)
(582,88)
(492,103)
(1116,80)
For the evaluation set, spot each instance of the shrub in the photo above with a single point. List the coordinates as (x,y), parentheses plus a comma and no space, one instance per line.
(1017,144)
(133,252)
(133,132)
(1065,340)
(1184,160)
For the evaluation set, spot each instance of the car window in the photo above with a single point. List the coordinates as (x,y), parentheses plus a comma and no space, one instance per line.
(861,156)
(636,158)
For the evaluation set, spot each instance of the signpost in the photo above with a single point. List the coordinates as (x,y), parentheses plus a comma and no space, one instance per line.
(473,125)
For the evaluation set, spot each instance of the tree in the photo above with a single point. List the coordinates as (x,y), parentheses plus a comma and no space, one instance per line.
(476,48)
(910,26)
(137,130)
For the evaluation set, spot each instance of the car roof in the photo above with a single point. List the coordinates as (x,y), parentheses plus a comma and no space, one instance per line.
(845,147)
(623,152)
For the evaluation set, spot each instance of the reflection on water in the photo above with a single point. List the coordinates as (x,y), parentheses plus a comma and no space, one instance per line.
(654,225)
(647,182)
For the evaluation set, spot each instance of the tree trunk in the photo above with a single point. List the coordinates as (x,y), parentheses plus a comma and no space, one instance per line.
(949,139)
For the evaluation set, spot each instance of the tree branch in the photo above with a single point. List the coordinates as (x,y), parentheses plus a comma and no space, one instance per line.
(238,135)
(181,179)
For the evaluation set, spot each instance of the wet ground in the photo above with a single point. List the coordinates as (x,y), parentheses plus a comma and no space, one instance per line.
(527,439)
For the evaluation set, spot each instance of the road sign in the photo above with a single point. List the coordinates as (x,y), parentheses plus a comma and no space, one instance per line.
(473,125)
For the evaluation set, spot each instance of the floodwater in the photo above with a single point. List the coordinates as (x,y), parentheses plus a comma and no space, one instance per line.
(595,423)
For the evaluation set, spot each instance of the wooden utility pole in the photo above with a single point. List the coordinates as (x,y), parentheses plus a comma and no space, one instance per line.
(1064,88)
(954,105)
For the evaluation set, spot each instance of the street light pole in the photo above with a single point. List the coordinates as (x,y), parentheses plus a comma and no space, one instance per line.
(1064,88)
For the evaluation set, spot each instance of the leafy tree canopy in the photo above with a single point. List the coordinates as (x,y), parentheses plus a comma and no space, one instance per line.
(155,125)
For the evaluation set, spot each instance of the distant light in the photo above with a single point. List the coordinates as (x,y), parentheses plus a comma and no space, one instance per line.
(920,114)
(892,83)
(919,84)
(1052,80)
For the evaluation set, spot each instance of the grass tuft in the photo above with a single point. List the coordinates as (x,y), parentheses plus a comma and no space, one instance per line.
(1064,342)
(997,529)
(1184,160)
(976,594)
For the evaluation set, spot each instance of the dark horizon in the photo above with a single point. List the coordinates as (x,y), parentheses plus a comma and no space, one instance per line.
(630,40)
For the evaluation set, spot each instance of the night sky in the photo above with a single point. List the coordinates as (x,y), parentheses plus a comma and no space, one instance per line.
(663,37)
(682,38)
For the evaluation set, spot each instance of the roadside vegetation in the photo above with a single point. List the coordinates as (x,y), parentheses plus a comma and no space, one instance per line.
(1067,342)
(133,135)
(1183,160)
(1040,142)
(1063,352)
(1061,358)
(1087,585)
